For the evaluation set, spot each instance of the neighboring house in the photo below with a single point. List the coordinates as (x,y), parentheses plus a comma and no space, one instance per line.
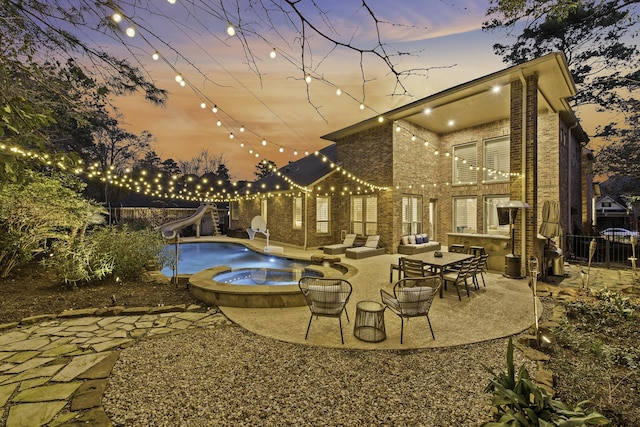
(441,165)
(612,213)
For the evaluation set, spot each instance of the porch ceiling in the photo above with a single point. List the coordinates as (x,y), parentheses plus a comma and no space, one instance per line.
(476,102)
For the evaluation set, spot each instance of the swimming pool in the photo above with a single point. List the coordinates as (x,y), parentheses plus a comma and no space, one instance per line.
(195,257)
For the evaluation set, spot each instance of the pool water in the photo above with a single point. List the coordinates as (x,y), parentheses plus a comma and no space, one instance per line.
(264,276)
(195,257)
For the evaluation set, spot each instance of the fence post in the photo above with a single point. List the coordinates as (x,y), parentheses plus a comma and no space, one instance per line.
(607,253)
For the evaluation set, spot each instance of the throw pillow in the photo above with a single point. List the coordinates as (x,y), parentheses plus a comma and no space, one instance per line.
(405,240)
(412,239)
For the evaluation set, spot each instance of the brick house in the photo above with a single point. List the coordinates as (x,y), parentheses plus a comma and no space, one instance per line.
(441,165)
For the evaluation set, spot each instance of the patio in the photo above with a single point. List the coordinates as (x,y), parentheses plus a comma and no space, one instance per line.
(504,307)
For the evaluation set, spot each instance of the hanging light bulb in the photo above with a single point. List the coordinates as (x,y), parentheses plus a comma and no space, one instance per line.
(264,142)
(257,154)
(172,1)
(155,56)
(116,17)
(183,83)
(215,109)
(241,128)
(295,152)
(307,78)
(178,78)
(413,137)
(398,128)
(251,151)
(281,150)
(219,123)
(380,119)
(338,92)
(306,152)
(273,53)
(231,135)
(231,29)
(131,32)
(203,105)
(362,106)
(242,144)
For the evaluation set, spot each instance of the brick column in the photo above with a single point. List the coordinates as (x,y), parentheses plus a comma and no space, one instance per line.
(524,179)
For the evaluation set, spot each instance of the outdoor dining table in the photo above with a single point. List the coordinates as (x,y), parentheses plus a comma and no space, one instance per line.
(441,263)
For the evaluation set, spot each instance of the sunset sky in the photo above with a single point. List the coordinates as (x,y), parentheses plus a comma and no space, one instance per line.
(273,105)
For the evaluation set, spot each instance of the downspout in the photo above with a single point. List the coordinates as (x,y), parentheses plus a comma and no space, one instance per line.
(569,180)
(523,225)
(304,224)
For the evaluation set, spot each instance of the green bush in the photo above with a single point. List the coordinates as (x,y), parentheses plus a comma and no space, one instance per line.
(520,402)
(107,252)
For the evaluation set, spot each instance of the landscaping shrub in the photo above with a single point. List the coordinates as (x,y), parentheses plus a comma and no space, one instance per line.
(107,252)
(33,213)
(519,401)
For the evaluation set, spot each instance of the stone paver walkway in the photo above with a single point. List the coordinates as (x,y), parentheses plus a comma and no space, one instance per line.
(54,368)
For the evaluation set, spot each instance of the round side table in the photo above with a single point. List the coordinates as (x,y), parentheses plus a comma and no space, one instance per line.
(369,324)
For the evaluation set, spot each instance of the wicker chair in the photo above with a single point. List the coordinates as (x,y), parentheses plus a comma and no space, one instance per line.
(460,276)
(412,297)
(326,297)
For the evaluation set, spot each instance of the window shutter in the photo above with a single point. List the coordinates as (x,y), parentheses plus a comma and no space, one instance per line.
(465,161)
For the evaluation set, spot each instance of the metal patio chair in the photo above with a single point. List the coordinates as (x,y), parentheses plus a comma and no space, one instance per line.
(326,297)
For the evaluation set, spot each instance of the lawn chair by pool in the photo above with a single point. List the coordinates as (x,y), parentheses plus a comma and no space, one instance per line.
(339,248)
(370,248)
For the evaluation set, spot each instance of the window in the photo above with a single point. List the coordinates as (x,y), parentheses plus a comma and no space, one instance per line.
(491,223)
(496,159)
(465,215)
(465,164)
(411,215)
(297,213)
(322,215)
(263,209)
(234,209)
(364,215)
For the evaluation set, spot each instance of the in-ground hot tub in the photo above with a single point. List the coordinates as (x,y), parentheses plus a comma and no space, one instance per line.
(252,287)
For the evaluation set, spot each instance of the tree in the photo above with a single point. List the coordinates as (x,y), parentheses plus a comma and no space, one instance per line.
(203,163)
(170,167)
(265,168)
(593,34)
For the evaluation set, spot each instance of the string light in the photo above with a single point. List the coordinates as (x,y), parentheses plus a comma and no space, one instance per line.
(338,92)
(273,53)
(130,31)
(231,29)
(116,17)
(214,109)
(155,56)
(307,78)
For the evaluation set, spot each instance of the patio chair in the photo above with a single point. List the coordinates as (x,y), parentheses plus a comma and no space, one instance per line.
(339,248)
(483,267)
(459,277)
(413,267)
(412,297)
(325,297)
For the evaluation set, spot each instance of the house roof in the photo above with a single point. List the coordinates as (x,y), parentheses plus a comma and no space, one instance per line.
(475,102)
(304,172)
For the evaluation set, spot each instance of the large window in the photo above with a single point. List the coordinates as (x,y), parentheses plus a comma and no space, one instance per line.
(491,223)
(465,163)
(297,213)
(496,159)
(364,215)
(322,215)
(465,217)
(411,215)
(234,211)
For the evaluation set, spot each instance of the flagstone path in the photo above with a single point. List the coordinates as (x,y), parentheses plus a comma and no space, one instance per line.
(54,368)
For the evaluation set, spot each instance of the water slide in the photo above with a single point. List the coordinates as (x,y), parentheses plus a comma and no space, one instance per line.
(169,230)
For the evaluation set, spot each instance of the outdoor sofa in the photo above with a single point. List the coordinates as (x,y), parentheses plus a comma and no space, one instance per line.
(417,243)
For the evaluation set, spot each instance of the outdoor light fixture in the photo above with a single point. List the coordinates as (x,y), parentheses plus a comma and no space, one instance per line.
(362,106)
(215,109)
(155,56)
(131,32)
(307,78)
(241,128)
(116,17)
(380,119)
(281,150)
(273,53)
(203,105)
(427,110)
(264,142)
(338,92)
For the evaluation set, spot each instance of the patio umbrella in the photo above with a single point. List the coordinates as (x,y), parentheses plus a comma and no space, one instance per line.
(550,226)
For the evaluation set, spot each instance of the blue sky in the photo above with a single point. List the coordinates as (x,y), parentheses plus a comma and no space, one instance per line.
(276,104)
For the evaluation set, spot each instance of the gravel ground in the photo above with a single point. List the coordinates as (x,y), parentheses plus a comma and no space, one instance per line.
(230,377)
